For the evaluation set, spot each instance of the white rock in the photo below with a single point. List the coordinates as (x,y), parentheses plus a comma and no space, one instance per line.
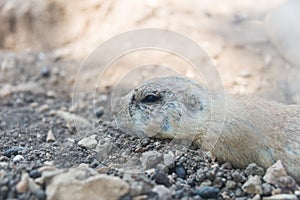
(50,137)
(49,163)
(73,185)
(281,197)
(18,158)
(43,108)
(253,186)
(88,142)
(274,172)
(169,158)
(150,159)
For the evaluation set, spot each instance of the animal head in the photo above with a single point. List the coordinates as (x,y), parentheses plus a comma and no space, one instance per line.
(165,108)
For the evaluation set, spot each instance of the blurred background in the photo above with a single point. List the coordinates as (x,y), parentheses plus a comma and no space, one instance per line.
(254,44)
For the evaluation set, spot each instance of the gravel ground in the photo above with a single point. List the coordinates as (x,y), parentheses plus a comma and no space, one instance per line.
(37,137)
(44,156)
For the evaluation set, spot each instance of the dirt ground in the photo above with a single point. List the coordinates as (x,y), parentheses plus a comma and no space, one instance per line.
(44,43)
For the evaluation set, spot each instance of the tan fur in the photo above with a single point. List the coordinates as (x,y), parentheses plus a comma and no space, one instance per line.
(253,130)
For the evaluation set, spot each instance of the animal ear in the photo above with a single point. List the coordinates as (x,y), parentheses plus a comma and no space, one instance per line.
(192,99)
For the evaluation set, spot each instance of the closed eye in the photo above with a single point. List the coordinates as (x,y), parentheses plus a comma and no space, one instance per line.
(151,98)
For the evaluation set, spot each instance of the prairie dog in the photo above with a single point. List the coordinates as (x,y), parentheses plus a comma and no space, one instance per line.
(253,130)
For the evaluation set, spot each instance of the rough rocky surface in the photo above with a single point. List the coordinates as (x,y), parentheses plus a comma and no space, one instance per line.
(44,154)
(84,183)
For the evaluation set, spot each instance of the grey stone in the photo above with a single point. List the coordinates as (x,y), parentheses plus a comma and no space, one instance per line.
(208,192)
(150,159)
(253,170)
(169,158)
(163,192)
(267,189)
(253,185)
(230,185)
(286,184)
(88,142)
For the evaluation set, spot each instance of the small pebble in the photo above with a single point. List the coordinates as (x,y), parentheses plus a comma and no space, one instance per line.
(49,163)
(230,185)
(179,194)
(45,72)
(211,175)
(218,182)
(51,94)
(99,112)
(145,142)
(35,174)
(180,171)
(253,170)
(253,185)
(286,184)
(267,189)
(169,158)
(236,176)
(88,142)
(50,137)
(239,192)
(207,192)
(161,178)
(151,159)
(43,108)
(13,151)
(102,98)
